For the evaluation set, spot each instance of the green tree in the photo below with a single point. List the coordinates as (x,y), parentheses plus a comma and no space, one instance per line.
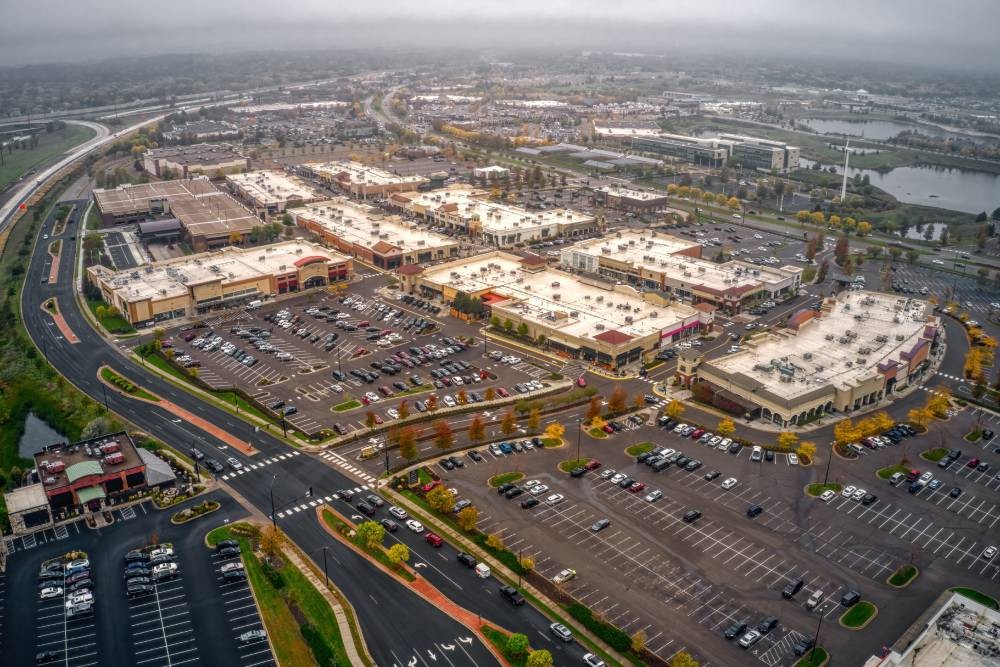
(467,518)
(369,534)
(912,256)
(441,499)
(684,659)
(895,253)
(508,326)
(517,644)
(522,329)
(638,641)
(539,658)
(398,553)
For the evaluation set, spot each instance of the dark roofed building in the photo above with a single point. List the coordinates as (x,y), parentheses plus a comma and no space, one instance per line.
(160,230)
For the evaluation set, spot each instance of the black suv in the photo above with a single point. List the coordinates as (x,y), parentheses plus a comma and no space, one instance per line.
(466,559)
(512,595)
(736,629)
(792,588)
(768,624)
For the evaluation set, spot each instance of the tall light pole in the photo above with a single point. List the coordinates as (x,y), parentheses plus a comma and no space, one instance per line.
(270,491)
(326,575)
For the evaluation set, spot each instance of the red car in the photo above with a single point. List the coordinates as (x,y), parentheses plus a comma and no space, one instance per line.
(360,352)
(607,428)
(698,432)
(430,486)
(433,539)
(972,463)
(593,464)
(378,419)
(636,487)
(581,381)
(503,392)
(365,400)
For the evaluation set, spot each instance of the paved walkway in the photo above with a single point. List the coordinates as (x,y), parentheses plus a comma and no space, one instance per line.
(63,326)
(208,426)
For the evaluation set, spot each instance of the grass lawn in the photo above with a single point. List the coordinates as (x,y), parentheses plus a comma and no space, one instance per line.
(499,641)
(903,575)
(378,553)
(567,466)
(115,324)
(347,405)
(815,490)
(976,596)
(597,433)
(126,385)
(813,658)
(640,448)
(552,442)
(504,478)
(50,145)
(889,471)
(858,615)
(423,477)
(935,454)
(974,436)
(301,625)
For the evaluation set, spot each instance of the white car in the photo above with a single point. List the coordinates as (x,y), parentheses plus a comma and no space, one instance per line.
(50,592)
(793,460)
(371,396)
(926,478)
(555,499)
(608,473)
(161,551)
(538,489)
(164,569)
(449,401)
(617,478)
(858,494)
(749,639)
(398,512)
(83,597)
(827,496)
(231,567)
(653,496)
(530,483)
(729,483)
(415,525)
(848,491)
(392,413)
(680,427)
(564,576)
(724,445)
(989,553)
(937,261)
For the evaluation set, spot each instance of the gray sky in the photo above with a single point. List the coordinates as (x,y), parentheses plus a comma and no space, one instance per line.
(952,32)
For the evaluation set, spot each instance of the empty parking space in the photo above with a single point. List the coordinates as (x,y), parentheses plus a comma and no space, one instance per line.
(161,626)
(241,615)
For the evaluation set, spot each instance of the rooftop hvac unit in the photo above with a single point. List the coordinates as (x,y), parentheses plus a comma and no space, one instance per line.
(628,319)
(556,297)
(830,336)
(701,269)
(900,337)
(555,283)
(807,355)
(849,364)
(114,459)
(599,326)
(600,298)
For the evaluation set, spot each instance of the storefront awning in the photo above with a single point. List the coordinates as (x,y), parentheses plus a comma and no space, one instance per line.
(90,493)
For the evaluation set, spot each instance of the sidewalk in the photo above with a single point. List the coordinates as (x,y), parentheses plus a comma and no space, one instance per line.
(468,546)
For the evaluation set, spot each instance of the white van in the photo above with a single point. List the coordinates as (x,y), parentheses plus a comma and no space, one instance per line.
(483,571)
(255,304)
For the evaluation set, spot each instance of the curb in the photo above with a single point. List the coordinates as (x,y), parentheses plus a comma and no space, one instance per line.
(840,621)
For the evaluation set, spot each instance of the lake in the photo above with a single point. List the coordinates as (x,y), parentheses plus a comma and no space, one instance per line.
(955,189)
(880,130)
(37,435)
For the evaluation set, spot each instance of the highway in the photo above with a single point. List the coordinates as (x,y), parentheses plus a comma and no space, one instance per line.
(379,601)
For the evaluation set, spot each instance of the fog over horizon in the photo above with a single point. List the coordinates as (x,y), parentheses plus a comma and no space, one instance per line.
(921,32)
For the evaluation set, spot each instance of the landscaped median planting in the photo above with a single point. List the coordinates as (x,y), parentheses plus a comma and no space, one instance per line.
(903,577)
(346,405)
(195,511)
(816,490)
(568,466)
(505,478)
(640,448)
(814,658)
(859,616)
(889,471)
(368,538)
(126,386)
(934,455)
(301,625)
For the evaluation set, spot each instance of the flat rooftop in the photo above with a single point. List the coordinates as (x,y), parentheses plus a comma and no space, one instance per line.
(960,633)
(201,208)
(627,131)
(559,300)
(630,193)
(366,226)
(196,154)
(271,187)
(82,458)
(360,174)
(467,202)
(855,333)
(288,106)
(657,253)
(173,277)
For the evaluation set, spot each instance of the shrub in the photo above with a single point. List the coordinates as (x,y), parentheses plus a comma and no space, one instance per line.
(274,576)
(615,638)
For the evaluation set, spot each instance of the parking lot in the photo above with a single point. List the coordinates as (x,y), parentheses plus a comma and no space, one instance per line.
(326,362)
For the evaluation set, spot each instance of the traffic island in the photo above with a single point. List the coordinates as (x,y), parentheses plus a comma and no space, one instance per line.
(123,385)
(859,616)
(192,513)
(641,448)
(816,490)
(934,455)
(888,471)
(505,478)
(903,577)
(571,464)
(818,657)
(552,443)
(597,433)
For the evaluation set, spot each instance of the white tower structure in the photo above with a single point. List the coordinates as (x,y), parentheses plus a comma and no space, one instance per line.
(847,158)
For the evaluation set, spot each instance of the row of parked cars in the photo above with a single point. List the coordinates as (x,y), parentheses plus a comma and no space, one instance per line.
(70,580)
(146,567)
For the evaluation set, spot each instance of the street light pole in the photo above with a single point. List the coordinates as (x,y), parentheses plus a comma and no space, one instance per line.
(270,491)
(579,435)
(829,460)
(326,576)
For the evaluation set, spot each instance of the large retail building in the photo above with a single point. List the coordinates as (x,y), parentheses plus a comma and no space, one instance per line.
(197,284)
(363,231)
(466,210)
(858,348)
(650,260)
(363,181)
(578,317)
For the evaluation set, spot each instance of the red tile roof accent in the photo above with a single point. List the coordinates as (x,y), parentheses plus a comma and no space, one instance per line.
(613,337)
(384,248)
(533,260)
(705,307)
(410,269)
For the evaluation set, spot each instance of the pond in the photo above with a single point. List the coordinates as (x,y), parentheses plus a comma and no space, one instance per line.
(880,130)
(954,189)
(37,435)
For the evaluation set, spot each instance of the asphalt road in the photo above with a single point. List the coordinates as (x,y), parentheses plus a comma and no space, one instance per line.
(380,603)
